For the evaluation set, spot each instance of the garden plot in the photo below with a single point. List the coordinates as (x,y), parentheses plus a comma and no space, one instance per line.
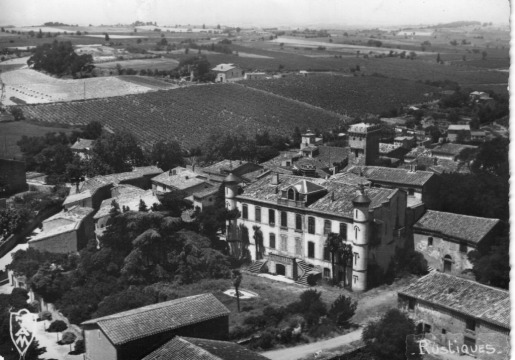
(34,87)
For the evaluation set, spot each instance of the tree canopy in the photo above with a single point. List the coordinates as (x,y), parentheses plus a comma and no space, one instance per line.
(59,58)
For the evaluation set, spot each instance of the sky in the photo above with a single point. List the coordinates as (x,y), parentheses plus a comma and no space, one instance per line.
(253,12)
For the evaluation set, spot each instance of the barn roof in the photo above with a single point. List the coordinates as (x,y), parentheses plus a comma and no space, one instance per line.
(465,296)
(145,321)
(471,228)
(185,348)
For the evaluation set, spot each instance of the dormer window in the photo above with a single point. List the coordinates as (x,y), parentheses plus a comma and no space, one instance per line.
(291,194)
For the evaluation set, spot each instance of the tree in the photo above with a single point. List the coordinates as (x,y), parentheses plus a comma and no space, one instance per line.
(333,244)
(493,158)
(386,338)
(57,326)
(236,281)
(59,58)
(492,267)
(167,155)
(342,309)
(142,206)
(258,241)
(438,58)
(106,37)
(115,153)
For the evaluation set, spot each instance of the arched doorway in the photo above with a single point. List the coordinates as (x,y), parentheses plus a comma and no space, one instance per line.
(280,269)
(447,264)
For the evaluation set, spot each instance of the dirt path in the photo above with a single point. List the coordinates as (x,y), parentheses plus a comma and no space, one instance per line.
(299,352)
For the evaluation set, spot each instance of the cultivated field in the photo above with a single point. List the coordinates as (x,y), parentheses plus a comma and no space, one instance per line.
(348,95)
(189,115)
(141,64)
(34,87)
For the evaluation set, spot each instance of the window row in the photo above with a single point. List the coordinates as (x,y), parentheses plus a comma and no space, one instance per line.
(298,221)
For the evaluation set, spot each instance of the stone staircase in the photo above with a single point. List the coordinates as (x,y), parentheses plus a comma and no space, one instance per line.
(308,270)
(256,266)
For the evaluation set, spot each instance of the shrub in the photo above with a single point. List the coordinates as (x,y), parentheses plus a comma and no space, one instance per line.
(57,326)
(247,308)
(240,332)
(265,341)
(68,338)
(342,309)
(80,347)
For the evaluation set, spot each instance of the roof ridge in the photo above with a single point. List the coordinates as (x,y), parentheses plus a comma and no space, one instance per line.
(463,215)
(143,309)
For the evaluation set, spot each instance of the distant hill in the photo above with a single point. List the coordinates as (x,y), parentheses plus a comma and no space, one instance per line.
(456,24)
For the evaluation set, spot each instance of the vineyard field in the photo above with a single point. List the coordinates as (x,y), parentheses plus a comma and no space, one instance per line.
(189,115)
(348,95)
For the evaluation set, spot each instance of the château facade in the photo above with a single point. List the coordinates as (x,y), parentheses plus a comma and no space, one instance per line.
(296,215)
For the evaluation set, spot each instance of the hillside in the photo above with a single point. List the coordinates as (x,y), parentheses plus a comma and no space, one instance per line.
(189,115)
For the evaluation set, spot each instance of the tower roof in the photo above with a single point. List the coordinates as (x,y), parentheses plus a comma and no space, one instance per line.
(232,179)
(361,198)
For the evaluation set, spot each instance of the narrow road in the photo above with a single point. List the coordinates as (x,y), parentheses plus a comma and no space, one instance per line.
(301,351)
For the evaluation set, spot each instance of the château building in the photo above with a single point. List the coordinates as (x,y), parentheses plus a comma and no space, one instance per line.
(295,216)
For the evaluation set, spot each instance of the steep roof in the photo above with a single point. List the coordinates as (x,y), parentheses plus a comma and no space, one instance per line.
(393,175)
(464,227)
(464,296)
(135,324)
(185,348)
(337,199)
(83,144)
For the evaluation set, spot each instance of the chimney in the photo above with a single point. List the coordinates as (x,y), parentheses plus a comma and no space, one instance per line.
(275,179)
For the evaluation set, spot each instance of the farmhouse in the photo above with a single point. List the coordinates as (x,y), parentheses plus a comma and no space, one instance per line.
(133,334)
(227,72)
(83,147)
(458,311)
(445,239)
(202,349)
(255,76)
(295,216)
(66,232)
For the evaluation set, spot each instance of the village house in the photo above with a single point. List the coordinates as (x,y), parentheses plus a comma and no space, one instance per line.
(93,191)
(255,76)
(458,133)
(66,232)
(478,135)
(82,148)
(364,144)
(202,349)
(227,72)
(453,311)
(206,197)
(445,239)
(133,334)
(179,179)
(296,214)
(313,159)
(127,197)
(216,173)
(422,185)
(450,151)
(407,142)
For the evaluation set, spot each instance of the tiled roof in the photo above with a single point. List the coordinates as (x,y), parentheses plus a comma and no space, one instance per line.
(392,175)
(350,179)
(471,228)
(211,191)
(464,296)
(65,221)
(224,167)
(77,197)
(97,182)
(130,196)
(83,144)
(135,324)
(185,348)
(182,181)
(451,148)
(337,200)
(284,155)
(224,67)
(332,154)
